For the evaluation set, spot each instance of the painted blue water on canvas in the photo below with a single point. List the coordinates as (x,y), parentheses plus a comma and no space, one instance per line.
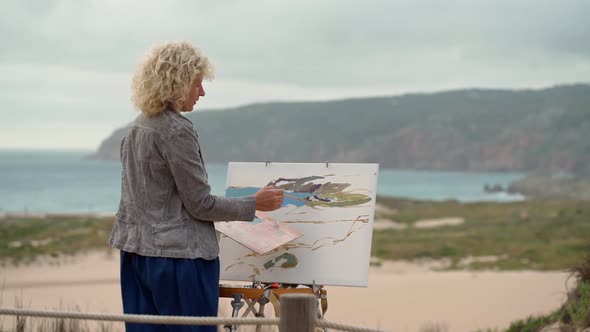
(246,191)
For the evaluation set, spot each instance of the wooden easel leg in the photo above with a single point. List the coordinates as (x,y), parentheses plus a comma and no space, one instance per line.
(250,307)
(276,305)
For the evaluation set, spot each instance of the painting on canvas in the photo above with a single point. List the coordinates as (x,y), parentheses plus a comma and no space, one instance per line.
(332,205)
(262,235)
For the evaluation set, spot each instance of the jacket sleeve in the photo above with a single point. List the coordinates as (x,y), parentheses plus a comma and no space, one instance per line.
(181,151)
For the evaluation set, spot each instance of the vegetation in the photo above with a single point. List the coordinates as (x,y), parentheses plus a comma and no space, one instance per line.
(35,324)
(533,234)
(22,239)
(475,129)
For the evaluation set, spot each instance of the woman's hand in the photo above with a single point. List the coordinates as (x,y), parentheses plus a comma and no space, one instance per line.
(269,199)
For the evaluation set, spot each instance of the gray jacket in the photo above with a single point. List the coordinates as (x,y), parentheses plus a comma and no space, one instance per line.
(166,208)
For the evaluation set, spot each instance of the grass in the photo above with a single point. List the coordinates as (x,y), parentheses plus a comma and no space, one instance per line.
(22,240)
(29,324)
(35,324)
(535,234)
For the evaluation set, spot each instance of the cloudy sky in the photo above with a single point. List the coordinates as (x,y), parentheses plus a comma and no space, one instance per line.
(65,66)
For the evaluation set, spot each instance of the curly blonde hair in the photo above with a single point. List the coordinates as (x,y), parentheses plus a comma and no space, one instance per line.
(164,78)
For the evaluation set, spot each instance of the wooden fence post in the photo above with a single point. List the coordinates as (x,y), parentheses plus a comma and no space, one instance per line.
(298,313)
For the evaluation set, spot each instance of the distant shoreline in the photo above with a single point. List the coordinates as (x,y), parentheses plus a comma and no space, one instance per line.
(42,215)
(101,214)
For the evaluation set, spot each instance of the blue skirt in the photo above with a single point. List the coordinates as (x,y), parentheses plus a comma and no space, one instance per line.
(169,286)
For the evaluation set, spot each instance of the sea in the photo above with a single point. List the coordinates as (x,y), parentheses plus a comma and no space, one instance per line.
(70,182)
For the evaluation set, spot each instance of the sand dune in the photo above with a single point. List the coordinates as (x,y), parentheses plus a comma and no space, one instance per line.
(400,297)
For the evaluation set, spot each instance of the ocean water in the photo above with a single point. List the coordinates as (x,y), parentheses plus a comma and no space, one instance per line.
(66,181)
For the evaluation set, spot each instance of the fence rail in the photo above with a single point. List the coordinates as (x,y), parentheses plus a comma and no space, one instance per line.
(297,310)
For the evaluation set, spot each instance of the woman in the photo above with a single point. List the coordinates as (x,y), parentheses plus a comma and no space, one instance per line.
(164,225)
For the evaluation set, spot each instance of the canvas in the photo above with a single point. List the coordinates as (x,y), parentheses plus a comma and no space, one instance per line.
(331,204)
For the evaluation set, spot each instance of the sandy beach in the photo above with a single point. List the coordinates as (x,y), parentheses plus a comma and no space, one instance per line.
(400,297)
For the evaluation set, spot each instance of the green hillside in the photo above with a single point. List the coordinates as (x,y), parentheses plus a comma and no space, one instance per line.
(473,130)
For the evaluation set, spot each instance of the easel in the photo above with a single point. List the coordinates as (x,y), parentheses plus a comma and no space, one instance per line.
(263,293)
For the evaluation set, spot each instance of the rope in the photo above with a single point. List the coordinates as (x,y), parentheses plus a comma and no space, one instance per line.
(174,320)
(150,319)
(343,327)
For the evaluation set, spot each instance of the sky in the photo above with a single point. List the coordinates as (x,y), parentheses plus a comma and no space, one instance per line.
(66,65)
